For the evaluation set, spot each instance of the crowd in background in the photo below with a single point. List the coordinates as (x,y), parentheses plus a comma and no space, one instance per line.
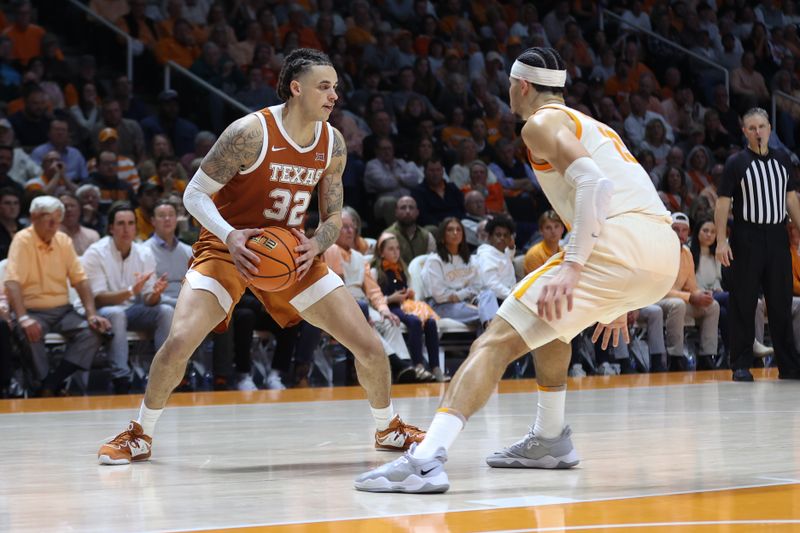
(436,168)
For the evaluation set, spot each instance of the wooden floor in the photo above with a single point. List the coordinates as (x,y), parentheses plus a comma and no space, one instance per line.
(663,452)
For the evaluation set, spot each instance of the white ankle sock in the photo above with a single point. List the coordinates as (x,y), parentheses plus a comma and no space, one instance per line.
(148,418)
(550,414)
(446,425)
(383,416)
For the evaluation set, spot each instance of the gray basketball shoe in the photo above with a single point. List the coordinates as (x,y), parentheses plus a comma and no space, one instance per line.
(408,474)
(535,452)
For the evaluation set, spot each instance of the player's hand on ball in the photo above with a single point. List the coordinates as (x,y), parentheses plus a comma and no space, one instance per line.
(612,330)
(243,258)
(309,249)
(558,291)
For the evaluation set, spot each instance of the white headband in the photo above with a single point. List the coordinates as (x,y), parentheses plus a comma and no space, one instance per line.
(540,76)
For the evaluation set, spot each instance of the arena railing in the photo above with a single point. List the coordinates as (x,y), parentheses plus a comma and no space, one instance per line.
(105,22)
(607,13)
(775,95)
(197,80)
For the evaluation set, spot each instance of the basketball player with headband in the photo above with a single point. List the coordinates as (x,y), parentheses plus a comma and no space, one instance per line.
(621,255)
(261,172)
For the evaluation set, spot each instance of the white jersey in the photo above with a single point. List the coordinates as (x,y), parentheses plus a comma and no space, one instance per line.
(633,189)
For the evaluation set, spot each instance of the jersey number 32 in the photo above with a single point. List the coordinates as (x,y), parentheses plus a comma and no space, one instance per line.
(285,203)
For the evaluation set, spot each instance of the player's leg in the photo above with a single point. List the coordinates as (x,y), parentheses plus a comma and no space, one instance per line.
(338,314)
(197,312)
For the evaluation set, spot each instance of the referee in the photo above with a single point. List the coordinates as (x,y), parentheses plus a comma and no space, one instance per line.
(757,181)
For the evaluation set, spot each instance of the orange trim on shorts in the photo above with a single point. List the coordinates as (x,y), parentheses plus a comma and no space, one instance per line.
(536,274)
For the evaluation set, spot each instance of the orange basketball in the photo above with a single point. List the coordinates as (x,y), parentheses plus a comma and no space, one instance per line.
(278,269)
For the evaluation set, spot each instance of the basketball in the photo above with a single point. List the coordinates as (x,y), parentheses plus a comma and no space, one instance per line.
(277,270)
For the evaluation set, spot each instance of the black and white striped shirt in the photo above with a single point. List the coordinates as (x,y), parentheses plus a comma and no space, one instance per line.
(758,184)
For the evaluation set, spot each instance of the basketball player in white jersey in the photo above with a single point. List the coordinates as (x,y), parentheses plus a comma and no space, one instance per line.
(622,255)
(261,172)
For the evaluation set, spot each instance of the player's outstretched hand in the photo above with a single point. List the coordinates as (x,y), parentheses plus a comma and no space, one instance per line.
(308,250)
(244,259)
(558,291)
(613,329)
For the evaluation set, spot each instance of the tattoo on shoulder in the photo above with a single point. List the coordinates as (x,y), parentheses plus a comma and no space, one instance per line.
(339,146)
(237,149)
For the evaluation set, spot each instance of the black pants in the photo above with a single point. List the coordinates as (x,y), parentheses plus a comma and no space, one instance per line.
(761,260)
(249,315)
(5,355)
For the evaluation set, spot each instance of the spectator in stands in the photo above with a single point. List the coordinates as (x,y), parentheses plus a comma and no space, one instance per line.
(180,131)
(389,178)
(91,215)
(122,91)
(436,198)
(139,25)
(25,36)
(82,237)
(40,262)
(494,200)
(747,84)
(383,55)
(621,84)
(171,255)
(126,169)
(203,142)
(53,180)
(257,94)
(166,175)
(129,134)
(105,178)
(147,197)
(23,167)
(74,163)
(555,21)
(380,123)
(640,116)
(552,229)
(6,160)
(10,77)
(494,261)
(10,204)
(466,153)
(451,278)
(126,290)
(655,139)
(454,132)
(475,216)
(687,298)
(85,113)
(414,240)
(699,169)
(32,123)
(391,273)
(794,249)
(717,138)
(160,146)
(674,189)
(352,267)
(181,47)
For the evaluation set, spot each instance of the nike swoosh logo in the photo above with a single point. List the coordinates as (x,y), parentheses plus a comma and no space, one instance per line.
(426,472)
(595,236)
(138,449)
(276,149)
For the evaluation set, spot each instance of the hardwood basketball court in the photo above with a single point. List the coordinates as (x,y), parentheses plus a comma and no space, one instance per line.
(660,452)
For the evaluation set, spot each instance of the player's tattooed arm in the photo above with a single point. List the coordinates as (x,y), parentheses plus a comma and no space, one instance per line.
(236,149)
(331,195)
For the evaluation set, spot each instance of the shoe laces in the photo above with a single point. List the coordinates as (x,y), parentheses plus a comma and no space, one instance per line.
(126,436)
(528,441)
(408,429)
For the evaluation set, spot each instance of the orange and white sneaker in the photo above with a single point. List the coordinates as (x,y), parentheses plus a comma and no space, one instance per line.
(398,437)
(130,446)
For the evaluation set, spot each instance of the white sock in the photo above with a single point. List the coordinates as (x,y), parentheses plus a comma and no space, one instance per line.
(148,418)
(383,416)
(550,414)
(446,425)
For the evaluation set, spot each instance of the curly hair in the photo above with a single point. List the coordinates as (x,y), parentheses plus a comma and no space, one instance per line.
(296,63)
